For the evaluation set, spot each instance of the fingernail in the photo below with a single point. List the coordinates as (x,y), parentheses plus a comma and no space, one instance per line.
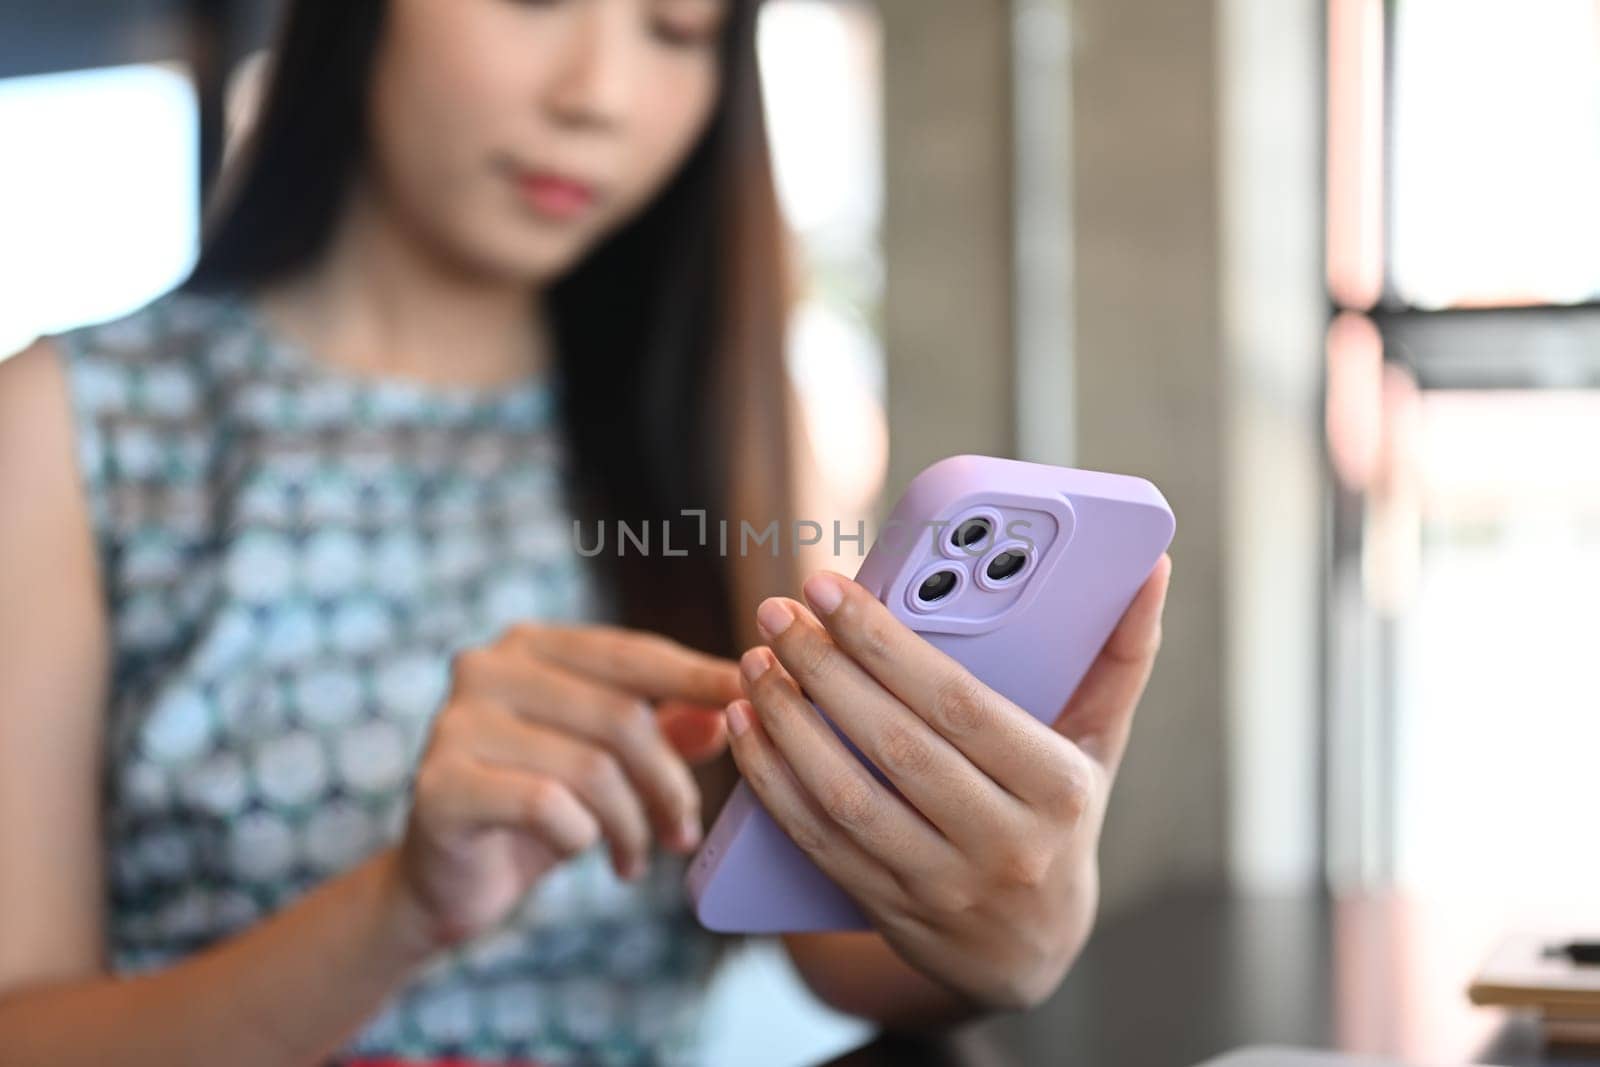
(774,616)
(753,664)
(824,592)
(738,714)
(636,868)
(689,831)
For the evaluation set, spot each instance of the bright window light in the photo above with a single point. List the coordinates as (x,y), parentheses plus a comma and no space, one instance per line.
(99,197)
(1496,157)
(1497,733)
(821,64)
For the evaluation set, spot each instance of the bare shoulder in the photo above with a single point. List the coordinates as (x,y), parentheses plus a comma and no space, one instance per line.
(36,432)
(47,537)
(36,367)
(47,544)
(53,656)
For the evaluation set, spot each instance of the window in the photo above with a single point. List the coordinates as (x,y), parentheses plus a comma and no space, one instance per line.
(821,67)
(1464,425)
(107,215)
(1496,135)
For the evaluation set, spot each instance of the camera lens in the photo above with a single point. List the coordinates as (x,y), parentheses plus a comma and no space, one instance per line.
(1005,565)
(969,533)
(936,586)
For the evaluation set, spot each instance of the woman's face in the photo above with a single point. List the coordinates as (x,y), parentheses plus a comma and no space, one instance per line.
(514,134)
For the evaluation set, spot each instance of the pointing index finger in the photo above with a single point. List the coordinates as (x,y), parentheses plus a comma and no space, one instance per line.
(648,665)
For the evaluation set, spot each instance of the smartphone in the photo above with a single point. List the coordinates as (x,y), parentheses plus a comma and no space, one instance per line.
(1020,572)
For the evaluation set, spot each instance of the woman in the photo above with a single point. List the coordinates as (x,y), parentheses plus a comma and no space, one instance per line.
(320,739)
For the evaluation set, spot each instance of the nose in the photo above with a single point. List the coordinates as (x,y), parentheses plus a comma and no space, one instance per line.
(595,83)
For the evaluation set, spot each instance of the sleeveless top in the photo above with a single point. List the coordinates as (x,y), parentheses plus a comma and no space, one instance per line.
(292,555)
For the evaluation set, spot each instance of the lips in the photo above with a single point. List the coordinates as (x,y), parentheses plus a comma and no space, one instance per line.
(555,196)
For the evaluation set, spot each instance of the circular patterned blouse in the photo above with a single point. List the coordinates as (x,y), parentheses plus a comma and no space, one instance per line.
(292,555)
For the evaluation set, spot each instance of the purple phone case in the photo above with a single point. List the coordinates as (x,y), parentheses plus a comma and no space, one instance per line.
(1098,536)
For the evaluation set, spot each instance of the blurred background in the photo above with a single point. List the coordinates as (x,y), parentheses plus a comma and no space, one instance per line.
(1327,272)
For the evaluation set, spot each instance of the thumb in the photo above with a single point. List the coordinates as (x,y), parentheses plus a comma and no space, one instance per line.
(697,731)
(1099,715)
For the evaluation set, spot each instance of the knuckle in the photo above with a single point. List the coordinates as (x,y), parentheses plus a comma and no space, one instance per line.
(809,654)
(1072,796)
(434,789)
(596,771)
(809,838)
(1018,994)
(958,705)
(539,798)
(904,752)
(522,634)
(944,896)
(807,833)
(582,841)
(874,640)
(769,689)
(472,665)
(450,727)
(1019,866)
(428,783)
(849,804)
(633,720)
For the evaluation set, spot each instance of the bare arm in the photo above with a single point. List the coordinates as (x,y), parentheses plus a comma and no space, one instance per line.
(861,974)
(291,988)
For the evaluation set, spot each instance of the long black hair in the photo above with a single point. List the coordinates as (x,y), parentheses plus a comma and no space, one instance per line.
(670,333)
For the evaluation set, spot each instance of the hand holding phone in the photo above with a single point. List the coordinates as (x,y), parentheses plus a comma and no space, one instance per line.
(949,778)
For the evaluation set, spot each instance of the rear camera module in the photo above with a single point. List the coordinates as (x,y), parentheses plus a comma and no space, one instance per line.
(937,586)
(1005,565)
(972,532)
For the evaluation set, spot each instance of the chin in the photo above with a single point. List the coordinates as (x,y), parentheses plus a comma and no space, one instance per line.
(533,265)
(540,261)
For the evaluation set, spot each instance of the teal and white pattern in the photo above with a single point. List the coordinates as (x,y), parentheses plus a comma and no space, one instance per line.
(292,555)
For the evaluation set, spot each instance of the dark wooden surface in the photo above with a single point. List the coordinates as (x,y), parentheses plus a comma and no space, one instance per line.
(1194,974)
